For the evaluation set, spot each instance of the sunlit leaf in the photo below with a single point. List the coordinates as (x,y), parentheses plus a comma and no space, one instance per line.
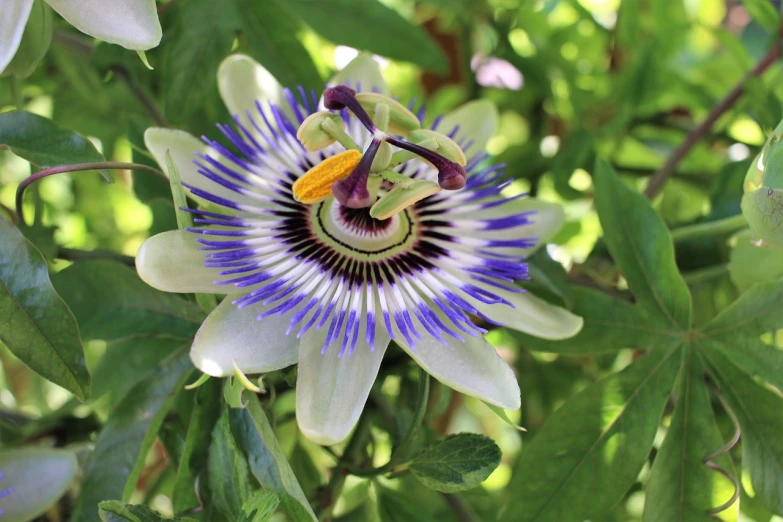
(35,323)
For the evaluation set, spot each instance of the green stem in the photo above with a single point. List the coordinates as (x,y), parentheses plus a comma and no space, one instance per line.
(711,228)
(422,399)
(706,274)
(329,495)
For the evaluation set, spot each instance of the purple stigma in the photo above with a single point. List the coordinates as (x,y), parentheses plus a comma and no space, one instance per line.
(352,191)
(339,97)
(451,175)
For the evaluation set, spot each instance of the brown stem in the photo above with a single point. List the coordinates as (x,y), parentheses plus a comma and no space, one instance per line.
(79,167)
(659,179)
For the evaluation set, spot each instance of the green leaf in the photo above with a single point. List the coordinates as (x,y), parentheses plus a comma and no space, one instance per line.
(193,461)
(201,37)
(228,473)
(127,362)
(260,507)
(681,487)
(643,250)
(112,303)
(268,463)
(369,25)
(396,507)
(44,143)
(756,312)
(270,29)
(548,276)
(122,445)
(35,323)
(764,12)
(590,451)
(457,462)
(610,324)
(116,511)
(760,414)
(574,152)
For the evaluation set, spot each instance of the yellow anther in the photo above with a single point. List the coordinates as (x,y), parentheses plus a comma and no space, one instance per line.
(316,183)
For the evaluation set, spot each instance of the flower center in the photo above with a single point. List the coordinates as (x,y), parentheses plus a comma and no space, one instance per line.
(355,233)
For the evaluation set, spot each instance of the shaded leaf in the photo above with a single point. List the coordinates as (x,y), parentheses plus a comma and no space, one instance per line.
(641,246)
(201,37)
(111,303)
(369,25)
(116,511)
(127,362)
(764,12)
(270,29)
(35,323)
(122,445)
(228,472)
(396,507)
(193,461)
(259,507)
(457,462)
(589,452)
(256,438)
(42,142)
(610,324)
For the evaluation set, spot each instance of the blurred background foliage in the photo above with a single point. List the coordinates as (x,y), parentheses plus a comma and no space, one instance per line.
(573,79)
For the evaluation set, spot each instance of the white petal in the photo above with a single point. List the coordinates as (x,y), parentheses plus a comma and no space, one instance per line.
(171,261)
(546,222)
(362,70)
(12,24)
(530,315)
(37,478)
(242,82)
(472,367)
(183,148)
(331,391)
(235,334)
(132,24)
(477,122)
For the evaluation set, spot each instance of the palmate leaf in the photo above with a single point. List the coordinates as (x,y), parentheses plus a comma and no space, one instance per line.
(582,461)
(681,488)
(591,449)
